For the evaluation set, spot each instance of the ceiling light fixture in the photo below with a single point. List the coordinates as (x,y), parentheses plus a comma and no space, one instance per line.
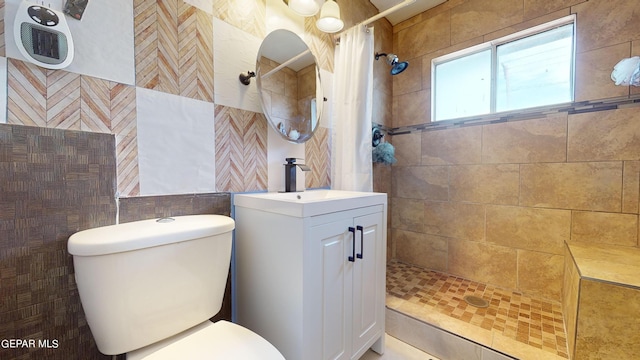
(304,7)
(329,20)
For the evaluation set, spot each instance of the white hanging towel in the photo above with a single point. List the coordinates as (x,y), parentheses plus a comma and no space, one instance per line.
(627,72)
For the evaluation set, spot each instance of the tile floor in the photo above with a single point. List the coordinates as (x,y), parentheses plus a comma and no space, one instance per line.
(397,350)
(529,321)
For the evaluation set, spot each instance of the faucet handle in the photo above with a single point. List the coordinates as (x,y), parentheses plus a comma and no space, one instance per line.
(291,161)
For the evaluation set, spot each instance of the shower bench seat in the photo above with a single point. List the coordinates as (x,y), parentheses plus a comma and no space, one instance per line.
(601,301)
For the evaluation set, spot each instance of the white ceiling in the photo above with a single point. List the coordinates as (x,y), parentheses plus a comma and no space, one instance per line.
(406,12)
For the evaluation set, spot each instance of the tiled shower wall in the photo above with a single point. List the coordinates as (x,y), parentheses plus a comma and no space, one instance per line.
(72,143)
(494,201)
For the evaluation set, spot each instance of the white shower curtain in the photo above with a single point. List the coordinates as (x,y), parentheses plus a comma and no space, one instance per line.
(353,94)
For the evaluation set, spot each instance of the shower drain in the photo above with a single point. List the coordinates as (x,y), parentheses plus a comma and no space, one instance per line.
(476,301)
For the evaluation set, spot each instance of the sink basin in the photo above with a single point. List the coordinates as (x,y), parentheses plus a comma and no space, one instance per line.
(309,203)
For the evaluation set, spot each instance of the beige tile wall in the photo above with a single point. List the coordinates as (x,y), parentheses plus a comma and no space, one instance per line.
(496,202)
(605,35)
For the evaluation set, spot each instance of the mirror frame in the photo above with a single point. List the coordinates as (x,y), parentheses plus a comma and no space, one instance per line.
(319,97)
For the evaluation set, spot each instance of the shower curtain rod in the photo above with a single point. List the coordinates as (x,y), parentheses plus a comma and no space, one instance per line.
(380,15)
(387,12)
(286,63)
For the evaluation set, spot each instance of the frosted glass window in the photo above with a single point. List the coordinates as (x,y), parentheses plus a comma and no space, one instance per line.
(535,70)
(463,86)
(532,68)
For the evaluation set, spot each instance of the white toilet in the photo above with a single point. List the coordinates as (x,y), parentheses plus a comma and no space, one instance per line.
(149,287)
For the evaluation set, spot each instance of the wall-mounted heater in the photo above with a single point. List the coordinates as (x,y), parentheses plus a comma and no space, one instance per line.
(42,36)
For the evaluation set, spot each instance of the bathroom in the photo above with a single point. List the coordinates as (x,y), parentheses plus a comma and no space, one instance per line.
(445,192)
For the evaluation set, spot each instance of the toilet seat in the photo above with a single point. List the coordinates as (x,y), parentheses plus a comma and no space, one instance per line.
(219,340)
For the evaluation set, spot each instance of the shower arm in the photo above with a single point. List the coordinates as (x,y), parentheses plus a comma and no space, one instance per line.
(378,55)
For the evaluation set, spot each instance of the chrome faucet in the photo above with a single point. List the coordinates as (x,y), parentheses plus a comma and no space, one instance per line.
(290,173)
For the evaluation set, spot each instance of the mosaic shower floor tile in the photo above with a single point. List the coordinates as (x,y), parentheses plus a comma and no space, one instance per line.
(529,321)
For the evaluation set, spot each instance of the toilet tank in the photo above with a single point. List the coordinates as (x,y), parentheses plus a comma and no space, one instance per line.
(144,281)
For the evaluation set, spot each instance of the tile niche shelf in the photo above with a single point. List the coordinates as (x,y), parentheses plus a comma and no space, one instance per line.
(601,301)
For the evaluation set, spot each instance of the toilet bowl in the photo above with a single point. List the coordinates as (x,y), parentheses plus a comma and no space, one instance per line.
(148,288)
(219,340)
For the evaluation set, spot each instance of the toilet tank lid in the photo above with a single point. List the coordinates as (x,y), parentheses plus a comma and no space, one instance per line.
(146,233)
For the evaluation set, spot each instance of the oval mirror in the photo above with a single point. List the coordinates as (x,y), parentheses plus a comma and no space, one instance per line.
(288,81)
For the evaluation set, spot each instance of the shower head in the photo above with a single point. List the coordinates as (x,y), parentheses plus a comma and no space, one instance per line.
(396,66)
(399,67)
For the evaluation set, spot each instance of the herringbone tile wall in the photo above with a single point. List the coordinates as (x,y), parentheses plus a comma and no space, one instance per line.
(241,150)
(322,45)
(174,48)
(173,54)
(246,15)
(64,100)
(122,112)
(318,156)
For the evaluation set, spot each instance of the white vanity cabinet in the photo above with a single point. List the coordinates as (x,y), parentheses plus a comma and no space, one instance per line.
(312,282)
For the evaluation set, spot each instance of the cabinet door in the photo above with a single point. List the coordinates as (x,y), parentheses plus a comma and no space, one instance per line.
(368,282)
(333,244)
